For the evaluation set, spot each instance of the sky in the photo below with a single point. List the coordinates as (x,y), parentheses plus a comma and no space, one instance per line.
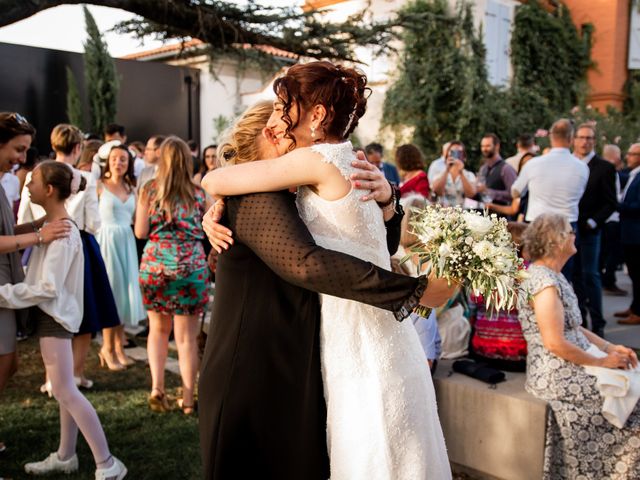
(63,28)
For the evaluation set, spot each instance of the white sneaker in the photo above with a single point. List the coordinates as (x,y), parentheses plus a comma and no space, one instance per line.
(117,471)
(52,464)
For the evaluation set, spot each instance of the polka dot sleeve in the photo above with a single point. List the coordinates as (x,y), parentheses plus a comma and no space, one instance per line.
(269,224)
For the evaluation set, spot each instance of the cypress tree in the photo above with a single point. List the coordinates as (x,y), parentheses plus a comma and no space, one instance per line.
(74,103)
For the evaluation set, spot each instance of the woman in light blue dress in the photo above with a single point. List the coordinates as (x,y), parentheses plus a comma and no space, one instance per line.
(118,247)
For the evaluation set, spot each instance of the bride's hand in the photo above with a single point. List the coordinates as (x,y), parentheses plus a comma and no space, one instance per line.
(369,177)
(219,235)
(438,291)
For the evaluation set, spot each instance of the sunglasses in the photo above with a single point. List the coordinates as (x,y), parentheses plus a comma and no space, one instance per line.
(18,118)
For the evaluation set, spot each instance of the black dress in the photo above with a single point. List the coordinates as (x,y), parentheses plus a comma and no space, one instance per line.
(262,410)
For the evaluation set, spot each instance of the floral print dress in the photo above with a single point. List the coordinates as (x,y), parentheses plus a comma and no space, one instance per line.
(580,443)
(173,273)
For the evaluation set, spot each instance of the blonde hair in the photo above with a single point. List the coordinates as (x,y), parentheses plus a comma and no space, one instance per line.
(174,185)
(544,235)
(65,137)
(240,144)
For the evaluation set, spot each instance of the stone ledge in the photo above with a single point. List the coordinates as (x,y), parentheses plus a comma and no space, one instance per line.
(494,434)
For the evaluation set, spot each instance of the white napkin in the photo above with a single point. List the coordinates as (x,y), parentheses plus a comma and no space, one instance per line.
(619,388)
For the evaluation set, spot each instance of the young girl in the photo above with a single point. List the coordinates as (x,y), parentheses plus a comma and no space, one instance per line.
(53,289)
(118,248)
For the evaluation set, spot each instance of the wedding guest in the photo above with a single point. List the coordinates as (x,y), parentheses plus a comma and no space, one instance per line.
(581,443)
(195,157)
(151,159)
(89,150)
(495,176)
(174,273)
(456,182)
(52,290)
(32,158)
(16,135)
(137,149)
(114,131)
(209,162)
(438,166)
(374,153)
(611,256)
(555,181)
(629,208)
(11,186)
(518,206)
(99,307)
(525,144)
(410,163)
(118,248)
(598,202)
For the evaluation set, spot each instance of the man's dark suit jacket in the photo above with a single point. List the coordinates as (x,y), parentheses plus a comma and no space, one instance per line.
(630,214)
(599,199)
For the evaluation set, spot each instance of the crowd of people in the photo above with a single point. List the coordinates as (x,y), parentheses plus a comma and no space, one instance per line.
(311,289)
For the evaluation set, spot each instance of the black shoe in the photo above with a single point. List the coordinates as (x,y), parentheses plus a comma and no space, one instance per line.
(615,291)
(143,334)
(130,344)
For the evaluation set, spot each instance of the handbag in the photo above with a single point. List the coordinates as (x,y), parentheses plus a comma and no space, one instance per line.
(479,371)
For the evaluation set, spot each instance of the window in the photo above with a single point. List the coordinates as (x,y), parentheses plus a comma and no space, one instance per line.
(497,40)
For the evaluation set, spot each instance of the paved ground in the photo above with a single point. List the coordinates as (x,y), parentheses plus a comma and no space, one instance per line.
(628,335)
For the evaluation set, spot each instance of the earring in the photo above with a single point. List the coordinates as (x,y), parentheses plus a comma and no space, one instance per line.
(313,132)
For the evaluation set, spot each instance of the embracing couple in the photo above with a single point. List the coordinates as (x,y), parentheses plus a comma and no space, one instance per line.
(295,385)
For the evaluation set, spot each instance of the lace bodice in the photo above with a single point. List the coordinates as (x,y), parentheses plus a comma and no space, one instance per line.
(347,224)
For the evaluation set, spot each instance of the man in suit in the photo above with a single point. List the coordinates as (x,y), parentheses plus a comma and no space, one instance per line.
(374,153)
(629,209)
(597,204)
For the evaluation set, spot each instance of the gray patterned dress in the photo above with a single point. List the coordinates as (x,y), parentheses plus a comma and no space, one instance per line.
(580,443)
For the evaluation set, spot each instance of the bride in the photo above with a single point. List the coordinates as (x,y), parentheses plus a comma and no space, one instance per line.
(382,420)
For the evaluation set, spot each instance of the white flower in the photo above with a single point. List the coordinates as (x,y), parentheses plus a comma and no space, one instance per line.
(468,241)
(444,250)
(483,249)
(478,224)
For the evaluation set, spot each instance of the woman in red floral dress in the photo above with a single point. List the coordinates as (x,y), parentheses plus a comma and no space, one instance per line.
(173,273)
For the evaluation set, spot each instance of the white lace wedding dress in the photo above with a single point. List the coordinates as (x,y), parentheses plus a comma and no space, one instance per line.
(382,419)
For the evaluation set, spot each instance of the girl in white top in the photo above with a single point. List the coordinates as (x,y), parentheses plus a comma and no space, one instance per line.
(456,183)
(54,283)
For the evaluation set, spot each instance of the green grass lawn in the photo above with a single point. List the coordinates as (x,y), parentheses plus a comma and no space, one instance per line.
(152,445)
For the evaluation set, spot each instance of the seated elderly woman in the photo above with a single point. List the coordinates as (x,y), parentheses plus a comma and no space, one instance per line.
(580,442)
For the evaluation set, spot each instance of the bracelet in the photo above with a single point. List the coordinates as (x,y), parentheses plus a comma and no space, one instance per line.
(605,347)
(391,200)
(39,238)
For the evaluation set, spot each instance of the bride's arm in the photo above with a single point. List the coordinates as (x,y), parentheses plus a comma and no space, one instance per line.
(300,167)
(270,226)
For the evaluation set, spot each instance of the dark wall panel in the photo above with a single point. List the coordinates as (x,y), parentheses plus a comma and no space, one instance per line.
(153,97)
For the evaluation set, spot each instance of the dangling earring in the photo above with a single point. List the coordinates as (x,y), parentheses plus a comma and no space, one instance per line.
(313,132)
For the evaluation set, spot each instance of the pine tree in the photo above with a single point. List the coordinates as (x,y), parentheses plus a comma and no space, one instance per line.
(74,103)
(100,76)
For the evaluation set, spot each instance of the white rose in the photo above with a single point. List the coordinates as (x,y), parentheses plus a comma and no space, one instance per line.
(483,249)
(444,250)
(478,224)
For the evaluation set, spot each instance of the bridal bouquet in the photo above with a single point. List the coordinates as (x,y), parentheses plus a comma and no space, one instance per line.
(472,248)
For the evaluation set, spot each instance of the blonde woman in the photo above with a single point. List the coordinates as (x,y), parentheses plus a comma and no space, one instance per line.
(173,273)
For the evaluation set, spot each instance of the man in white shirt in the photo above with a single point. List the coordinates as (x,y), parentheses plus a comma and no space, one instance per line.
(556,181)
(525,144)
(151,158)
(437,166)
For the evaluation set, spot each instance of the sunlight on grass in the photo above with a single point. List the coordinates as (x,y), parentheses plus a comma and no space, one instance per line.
(152,445)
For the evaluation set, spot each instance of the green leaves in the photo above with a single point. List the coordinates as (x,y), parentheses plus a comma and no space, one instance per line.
(100,76)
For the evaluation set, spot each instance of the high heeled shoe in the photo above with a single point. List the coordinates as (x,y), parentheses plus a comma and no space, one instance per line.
(82,382)
(117,471)
(187,409)
(127,362)
(109,362)
(158,401)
